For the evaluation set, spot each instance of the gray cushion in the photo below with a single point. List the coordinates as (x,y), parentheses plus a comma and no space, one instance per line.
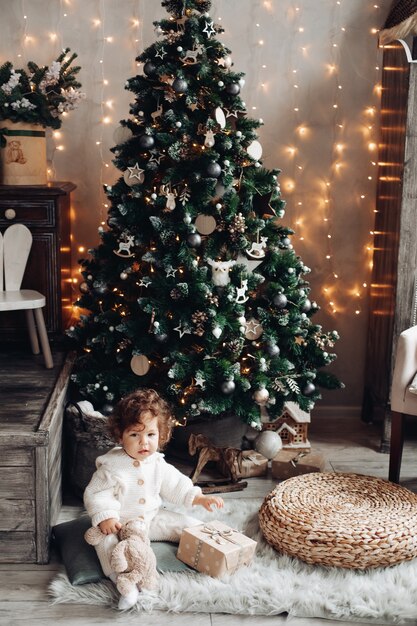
(81,561)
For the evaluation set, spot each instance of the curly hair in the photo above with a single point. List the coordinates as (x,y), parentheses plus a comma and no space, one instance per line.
(130,409)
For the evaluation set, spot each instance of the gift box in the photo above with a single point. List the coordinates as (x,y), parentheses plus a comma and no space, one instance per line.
(243,464)
(215,549)
(288,463)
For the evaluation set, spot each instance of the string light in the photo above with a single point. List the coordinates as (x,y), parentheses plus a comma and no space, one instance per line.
(313,204)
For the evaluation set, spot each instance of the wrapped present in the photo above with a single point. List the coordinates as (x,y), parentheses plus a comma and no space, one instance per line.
(288,463)
(242,463)
(215,549)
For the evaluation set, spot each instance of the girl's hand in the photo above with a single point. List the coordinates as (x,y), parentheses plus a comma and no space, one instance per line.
(208,501)
(109,526)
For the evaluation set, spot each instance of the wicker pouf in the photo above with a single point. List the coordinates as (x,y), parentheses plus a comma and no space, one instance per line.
(343,520)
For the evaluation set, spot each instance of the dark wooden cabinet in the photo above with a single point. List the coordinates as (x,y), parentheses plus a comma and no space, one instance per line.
(392,295)
(45,210)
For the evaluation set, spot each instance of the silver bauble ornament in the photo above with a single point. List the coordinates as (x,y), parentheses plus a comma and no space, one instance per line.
(213,170)
(180,85)
(308,389)
(228,387)
(306,306)
(280,301)
(149,68)
(261,396)
(233,89)
(146,142)
(194,240)
(268,443)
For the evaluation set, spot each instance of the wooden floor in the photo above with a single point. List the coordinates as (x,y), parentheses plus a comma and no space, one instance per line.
(348,445)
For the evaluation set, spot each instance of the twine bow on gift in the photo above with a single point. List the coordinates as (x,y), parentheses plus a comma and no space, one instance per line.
(220,536)
(11,132)
(294,461)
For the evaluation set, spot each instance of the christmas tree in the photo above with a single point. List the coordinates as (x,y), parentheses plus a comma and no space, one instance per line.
(195,289)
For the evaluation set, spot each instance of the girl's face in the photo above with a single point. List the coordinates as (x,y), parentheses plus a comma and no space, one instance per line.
(141,440)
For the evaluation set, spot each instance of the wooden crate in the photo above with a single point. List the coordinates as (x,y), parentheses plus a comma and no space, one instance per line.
(32,401)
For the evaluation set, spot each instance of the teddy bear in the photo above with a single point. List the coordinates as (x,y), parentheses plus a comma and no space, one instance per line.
(132,559)
(14,153)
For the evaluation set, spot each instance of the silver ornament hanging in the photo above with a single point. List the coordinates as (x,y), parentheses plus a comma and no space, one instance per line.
(194,240)
(228,387)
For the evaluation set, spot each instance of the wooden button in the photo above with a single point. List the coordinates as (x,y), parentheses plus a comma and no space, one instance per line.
(142,501)
(140,481)
(136,463)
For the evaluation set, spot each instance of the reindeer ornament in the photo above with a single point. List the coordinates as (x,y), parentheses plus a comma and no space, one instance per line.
(170,195)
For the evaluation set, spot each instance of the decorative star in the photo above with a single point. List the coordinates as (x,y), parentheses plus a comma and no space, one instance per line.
(193,106)
(156,158)
(136,172)
(200,381)
(230,113)
(253,329)
(299,340)
(250,265)
(182,330)
(170,271)
(161,53)
(209,29)
(145,282)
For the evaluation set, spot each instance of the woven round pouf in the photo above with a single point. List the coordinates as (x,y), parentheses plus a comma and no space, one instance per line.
(342,520)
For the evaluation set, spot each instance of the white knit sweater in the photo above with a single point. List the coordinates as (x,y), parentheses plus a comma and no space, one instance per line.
(123,488)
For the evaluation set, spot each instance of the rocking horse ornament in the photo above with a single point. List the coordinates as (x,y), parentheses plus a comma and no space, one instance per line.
(257,250)
(124,246)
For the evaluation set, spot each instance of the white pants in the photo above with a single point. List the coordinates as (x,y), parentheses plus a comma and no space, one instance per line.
(165,526)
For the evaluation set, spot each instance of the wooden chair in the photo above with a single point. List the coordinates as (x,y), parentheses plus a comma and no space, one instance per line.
(403,402)
(15,246)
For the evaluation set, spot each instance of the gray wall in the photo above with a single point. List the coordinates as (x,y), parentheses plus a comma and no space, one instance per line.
(317,56)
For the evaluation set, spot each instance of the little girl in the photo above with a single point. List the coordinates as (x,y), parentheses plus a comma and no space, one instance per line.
(132,480)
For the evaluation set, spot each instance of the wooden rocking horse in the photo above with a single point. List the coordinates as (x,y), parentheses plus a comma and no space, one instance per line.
(207,452)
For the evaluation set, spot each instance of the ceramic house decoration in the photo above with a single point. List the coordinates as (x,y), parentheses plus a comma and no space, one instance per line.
(291,426)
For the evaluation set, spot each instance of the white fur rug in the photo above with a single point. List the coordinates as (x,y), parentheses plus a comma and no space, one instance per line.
(272,584)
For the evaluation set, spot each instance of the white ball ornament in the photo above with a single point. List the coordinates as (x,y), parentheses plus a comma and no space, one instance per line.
(220,83)
(268,443)
(180,49)
(178,124)
(154,196)
(261,396)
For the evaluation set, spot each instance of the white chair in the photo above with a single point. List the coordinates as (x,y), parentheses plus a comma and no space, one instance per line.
(403,402)
(15,246)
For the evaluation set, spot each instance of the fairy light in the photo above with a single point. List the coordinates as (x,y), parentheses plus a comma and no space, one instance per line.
(296,156)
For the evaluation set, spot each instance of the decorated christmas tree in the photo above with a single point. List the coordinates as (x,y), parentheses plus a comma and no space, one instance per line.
(195,289)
